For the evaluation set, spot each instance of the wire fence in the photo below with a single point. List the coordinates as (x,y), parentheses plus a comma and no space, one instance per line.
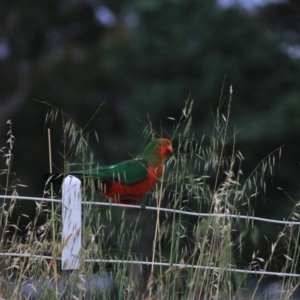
(169,210)
(71,219)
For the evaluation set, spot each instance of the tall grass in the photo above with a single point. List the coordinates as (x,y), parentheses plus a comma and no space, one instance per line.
(201,176)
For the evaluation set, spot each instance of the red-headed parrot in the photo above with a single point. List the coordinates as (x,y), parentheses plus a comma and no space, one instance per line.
(128,181)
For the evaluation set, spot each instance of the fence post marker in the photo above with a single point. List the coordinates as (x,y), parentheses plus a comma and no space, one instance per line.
(71,222)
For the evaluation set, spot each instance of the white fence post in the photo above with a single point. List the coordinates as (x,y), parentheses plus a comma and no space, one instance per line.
(71,218)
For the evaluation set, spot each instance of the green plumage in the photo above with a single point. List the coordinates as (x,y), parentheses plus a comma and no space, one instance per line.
(126,172)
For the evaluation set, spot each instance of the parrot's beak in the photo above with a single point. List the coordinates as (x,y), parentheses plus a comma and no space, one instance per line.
(170,148)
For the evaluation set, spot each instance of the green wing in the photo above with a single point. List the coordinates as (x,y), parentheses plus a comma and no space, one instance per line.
(126,172)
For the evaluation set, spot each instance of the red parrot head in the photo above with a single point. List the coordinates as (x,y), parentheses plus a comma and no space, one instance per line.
(165,147)
(157,150)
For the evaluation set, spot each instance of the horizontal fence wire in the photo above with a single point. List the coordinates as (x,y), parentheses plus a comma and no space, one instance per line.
(169,210)
(163,264)
(166,264)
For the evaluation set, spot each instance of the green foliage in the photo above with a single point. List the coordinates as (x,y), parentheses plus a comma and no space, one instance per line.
(281,18)
(166,60)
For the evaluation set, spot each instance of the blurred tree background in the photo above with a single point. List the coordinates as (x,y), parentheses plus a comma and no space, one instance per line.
(141,58)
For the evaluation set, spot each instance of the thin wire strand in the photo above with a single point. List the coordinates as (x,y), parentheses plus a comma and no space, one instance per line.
(161,209)
(164,264)
(155,263)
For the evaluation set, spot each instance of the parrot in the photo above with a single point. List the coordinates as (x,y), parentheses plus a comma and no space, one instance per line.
(127,182)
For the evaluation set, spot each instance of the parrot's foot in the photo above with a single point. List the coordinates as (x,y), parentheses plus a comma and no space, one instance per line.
(143,207)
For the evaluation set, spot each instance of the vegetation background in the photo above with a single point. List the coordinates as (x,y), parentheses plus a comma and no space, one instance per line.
(143,59)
